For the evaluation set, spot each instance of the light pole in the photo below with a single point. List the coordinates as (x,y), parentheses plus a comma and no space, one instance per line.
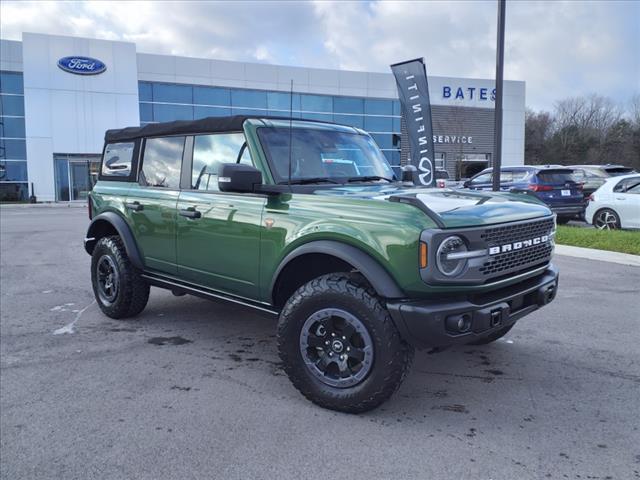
(497,147)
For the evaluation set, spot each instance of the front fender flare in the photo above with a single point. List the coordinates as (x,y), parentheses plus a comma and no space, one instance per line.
(124,231)
(382,282)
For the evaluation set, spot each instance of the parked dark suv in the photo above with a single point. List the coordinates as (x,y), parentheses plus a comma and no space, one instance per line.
(307,221)
(554,185)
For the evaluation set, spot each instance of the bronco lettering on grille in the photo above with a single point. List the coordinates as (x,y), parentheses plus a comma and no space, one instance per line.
(508,247)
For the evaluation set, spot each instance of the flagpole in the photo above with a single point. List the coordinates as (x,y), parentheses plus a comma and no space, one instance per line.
(497,147)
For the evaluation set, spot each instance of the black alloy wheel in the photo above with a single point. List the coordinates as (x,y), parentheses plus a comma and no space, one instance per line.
(336,347)
(108,279)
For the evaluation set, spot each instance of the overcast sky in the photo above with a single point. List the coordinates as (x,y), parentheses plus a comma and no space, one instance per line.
(560,49)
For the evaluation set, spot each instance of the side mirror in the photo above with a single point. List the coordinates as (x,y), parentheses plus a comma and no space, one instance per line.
(236,177)
(467,184)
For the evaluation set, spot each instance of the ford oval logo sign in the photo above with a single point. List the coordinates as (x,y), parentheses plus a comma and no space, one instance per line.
(82,65)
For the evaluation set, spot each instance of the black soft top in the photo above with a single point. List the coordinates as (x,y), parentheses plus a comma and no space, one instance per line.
(186,127)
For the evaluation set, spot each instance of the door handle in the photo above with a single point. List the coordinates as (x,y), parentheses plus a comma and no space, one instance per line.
(190,212)
(620,198)
(135,206)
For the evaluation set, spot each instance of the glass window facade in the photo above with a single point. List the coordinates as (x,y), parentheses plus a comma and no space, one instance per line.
(13,149)
(164,102)
(75,175)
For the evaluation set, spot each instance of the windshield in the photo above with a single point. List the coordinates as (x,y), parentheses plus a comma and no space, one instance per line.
(318,155)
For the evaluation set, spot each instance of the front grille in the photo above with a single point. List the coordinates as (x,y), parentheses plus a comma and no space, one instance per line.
(520,259)
(517,232)
(536,254)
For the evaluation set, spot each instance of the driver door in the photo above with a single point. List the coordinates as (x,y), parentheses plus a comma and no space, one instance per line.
(218,234)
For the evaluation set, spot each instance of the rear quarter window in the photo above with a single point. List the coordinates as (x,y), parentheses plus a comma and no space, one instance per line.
(117,160)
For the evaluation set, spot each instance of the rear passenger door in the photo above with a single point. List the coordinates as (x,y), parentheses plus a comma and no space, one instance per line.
(151,203)
(218,233)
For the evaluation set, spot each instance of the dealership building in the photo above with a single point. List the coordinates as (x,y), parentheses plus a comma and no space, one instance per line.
(54,116)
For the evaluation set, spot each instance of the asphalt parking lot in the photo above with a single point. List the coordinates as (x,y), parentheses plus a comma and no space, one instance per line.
(193,389)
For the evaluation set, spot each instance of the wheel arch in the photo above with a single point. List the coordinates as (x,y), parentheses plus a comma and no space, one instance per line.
(110,223)
(320,257)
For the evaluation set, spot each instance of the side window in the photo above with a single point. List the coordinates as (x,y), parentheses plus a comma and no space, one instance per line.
(116,161)
(484,178)
(209,151)
(520,176)
(161,162)
(506,177)
(621,186)
(635,189)
(627,184)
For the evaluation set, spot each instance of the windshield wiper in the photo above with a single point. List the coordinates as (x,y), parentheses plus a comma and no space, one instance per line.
(305,181)
(368,178)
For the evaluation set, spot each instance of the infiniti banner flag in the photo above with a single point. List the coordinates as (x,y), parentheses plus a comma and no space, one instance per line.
(411,78)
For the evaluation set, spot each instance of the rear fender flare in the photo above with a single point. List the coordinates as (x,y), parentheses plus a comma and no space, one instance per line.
(124,231)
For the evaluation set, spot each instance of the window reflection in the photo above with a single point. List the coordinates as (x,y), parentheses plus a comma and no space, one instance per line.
(162,161)
(209,151)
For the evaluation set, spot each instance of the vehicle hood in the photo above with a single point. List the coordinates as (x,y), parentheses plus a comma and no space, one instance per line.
(451,208)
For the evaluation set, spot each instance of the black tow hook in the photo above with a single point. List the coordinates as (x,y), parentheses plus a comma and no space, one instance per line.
(496,318)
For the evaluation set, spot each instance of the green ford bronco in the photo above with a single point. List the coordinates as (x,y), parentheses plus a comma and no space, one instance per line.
(306,220)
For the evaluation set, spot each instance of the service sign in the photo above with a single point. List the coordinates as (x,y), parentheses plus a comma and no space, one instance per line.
(82,65)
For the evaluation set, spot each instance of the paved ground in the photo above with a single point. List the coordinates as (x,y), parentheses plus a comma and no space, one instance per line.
(193,389)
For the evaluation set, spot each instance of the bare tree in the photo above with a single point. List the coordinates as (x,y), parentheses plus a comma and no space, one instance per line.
(593,114)
(538,128)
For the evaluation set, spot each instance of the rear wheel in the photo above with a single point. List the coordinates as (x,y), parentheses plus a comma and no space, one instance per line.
(118,288)
(339,345)
(563,220)
(606,219)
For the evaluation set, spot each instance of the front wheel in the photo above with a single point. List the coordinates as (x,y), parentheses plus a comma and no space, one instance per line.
(339,345)
(118,288)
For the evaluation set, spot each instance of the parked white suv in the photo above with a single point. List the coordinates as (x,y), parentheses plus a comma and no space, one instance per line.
(616,204)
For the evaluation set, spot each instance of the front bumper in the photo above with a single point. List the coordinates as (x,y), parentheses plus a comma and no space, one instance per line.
(431,323)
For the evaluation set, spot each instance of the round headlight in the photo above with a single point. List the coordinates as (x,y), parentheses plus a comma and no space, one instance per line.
(445,256)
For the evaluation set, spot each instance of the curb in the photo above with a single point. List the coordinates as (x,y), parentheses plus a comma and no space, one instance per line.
(600,255)
(19,206)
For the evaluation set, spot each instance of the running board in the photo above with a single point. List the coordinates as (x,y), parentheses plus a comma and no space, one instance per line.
(173,284)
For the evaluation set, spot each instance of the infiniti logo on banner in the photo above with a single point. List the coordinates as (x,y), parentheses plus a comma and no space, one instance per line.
(82,65)
(413,90)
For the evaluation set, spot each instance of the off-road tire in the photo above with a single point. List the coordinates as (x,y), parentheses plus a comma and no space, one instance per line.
(493,337)
(392,356)
(132,292)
